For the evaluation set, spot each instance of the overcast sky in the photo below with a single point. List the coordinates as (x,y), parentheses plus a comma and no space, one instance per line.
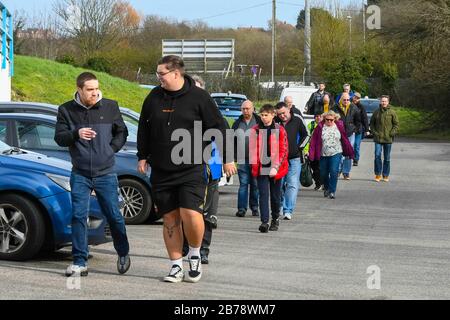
(216,13)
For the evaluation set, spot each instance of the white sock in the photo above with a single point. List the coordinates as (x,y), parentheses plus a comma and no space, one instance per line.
(178,262)
(194,252)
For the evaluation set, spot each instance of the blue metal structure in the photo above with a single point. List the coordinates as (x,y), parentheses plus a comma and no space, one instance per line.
(6,34)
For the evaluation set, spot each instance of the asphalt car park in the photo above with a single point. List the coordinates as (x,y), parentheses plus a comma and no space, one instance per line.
(374,241)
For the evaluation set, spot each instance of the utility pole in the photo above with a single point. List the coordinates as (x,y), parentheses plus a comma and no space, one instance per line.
(364,20)
(307,43)
(274,15)
(350,34)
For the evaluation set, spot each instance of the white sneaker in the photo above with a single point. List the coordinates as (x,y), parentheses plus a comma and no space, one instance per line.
(287,216)
(195,272)
(75,270)
(176,274)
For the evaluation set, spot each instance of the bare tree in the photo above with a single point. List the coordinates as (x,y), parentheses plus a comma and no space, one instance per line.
(94,24)
(19,24)
(36,34)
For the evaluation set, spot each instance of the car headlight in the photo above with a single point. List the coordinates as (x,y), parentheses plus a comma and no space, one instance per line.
(62,181)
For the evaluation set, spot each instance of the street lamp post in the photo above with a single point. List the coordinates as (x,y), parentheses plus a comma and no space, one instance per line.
(350,33)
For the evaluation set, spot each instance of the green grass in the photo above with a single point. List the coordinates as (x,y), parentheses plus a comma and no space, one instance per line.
(414,124)
(40,80)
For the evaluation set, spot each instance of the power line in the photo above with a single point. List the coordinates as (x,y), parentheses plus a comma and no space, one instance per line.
(235,11)
(291,4)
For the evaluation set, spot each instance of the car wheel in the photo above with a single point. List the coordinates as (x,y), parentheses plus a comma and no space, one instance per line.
(137,201)
(22,228)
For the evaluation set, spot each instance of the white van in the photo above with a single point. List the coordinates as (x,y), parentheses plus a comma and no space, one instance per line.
(300,96)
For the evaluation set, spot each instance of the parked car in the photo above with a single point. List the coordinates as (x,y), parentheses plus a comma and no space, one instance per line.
(128,115)
(370,105)
(229,104)
(35,205)
(36,132)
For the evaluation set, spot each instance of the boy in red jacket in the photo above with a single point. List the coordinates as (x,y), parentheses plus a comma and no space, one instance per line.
(269,161)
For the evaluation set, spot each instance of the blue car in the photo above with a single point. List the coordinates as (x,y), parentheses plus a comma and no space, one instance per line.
(370,105)
(130,117)
(35,132)
(229,104)
(35,205)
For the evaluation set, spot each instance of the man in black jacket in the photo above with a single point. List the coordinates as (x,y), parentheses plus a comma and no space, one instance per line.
(212,196)
(93,129)
(296,135)
(178,178)
(289,101)
(363,127)
(315,103)
(349,114)
(246,199)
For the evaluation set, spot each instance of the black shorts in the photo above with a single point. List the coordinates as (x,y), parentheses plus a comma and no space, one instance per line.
(188,192)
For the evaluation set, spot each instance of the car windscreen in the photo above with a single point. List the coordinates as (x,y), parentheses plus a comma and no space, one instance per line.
(370,105)
(229,102)
(132,126)
(4,147)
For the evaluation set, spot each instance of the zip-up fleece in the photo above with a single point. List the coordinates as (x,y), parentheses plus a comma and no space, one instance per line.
(164,112)
(96,157)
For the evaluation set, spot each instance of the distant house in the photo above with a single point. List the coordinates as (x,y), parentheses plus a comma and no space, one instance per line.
(35,33)
(6,53)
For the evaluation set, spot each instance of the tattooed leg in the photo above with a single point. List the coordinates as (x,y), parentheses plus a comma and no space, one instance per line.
(173,234)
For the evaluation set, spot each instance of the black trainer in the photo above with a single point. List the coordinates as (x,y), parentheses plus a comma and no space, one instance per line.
(274,225)
(123,264)
(325,193)
(240,214)
(318,187)
(355,163)
(264,227)
(204,259)
(255,213)
(195,271)
(213,221)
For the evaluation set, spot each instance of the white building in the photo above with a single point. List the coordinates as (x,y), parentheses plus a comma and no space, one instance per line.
(6,53)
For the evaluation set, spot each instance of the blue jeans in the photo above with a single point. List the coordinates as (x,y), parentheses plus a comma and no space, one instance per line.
(106,190)
(329,171)
(290,186)
(357,145)
(385,166)
(269,188)
(246,180)
(346,162)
